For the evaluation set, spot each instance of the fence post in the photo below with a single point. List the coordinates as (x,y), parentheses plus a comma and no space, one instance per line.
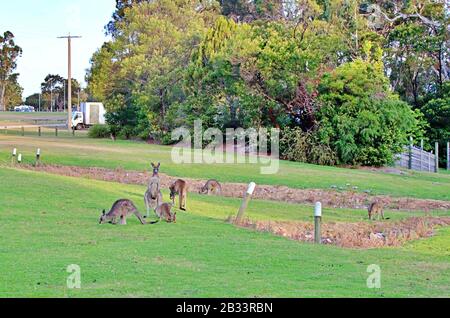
(448,155)
(437,158)
(410,163)
(38,157)
(23,131)
(39,132)
(13,158)
(429,162)
(56,131)
(245,202)
(421,154)
(318,223)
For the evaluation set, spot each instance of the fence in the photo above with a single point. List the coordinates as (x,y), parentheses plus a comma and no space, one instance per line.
(417,159)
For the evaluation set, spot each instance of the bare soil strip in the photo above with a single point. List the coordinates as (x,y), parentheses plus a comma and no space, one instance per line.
(354,235)
(329,198)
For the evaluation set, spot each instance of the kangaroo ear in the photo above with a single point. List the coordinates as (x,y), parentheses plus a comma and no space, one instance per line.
(153,165)
(104,212)
(159,165)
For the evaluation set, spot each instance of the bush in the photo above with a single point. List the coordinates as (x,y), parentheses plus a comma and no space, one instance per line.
(361,120)
(99,131)
(296,145)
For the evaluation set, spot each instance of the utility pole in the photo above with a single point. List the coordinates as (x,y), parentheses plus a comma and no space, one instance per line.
(51,96)
(69,77)
(64,97)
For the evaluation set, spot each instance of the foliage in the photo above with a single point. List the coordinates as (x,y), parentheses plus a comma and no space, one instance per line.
(323,67)
(437,113)
(9,53)
(99,131)
(13,93)
(296,145)
(360,118)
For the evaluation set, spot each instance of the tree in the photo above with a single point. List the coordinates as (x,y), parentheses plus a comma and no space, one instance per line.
(437,113)
(33,100)
(9,52)
(54,92)
(416,67)
(118,16)
(145,62)
(13,93)
(360,118)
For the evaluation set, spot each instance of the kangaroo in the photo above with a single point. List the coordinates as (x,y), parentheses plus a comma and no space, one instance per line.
(164,211)
(122,209)
(153,190)
(179,188)
(376,208)
(212,187)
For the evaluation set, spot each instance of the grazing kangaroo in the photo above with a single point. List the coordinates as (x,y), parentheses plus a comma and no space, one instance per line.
(164,211)
(120,210)
(376,208)
(179,188)
(153,190)
(212,187)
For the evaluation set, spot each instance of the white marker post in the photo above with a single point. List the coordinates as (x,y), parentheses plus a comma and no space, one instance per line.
(19,159)
(13,158)
(247,197)
(38,156)
(318,223)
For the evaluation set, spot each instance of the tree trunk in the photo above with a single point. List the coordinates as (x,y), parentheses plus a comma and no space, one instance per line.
(2,97)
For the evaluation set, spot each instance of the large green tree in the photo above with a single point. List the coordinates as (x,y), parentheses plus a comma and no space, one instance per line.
(145,62)
(9,52)
(13,93)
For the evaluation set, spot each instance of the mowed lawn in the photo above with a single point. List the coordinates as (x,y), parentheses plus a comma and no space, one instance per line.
(49,222)
(82,151)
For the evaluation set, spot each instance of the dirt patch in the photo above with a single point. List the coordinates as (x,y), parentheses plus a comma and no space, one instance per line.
(354,235)
(329,198)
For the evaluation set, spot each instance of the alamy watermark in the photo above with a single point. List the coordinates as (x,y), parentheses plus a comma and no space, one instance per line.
(74,279)
(374,280)
(234,146)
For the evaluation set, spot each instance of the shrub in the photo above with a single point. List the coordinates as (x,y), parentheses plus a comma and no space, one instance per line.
(296,145)
(361,120)
(99,131)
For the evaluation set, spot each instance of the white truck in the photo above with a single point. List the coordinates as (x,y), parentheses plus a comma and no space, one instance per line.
(90,114)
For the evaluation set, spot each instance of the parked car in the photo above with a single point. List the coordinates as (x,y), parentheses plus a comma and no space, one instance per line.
(24,109)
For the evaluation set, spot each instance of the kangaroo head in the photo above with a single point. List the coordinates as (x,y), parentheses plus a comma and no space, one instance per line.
(156,168)
(103,217)
(203,190)
(172,193)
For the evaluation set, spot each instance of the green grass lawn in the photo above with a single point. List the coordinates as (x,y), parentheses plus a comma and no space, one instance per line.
(81,151)
(49,222)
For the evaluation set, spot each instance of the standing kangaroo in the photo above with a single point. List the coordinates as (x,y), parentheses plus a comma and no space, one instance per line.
(376,208)
(179,188)
(212,187)
(120,210)
(153,190)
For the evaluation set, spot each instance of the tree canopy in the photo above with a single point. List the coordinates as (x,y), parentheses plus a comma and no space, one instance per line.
(9,88)
(351,76)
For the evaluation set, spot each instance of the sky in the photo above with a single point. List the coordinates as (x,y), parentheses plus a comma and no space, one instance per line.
(36,25)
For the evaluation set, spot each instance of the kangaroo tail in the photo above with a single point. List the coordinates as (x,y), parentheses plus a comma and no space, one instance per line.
(139,215)
(153,222)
